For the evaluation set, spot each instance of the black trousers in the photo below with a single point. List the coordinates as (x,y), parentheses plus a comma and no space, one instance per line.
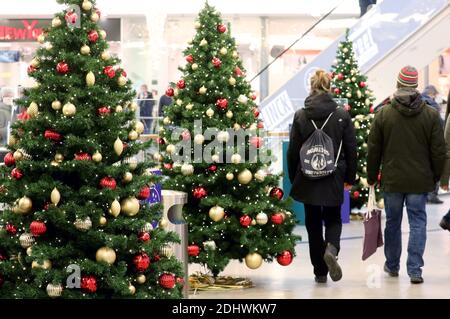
(315,217)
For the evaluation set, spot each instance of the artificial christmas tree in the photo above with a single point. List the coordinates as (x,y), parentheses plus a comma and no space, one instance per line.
(231,198)
(74,226)
(348,83)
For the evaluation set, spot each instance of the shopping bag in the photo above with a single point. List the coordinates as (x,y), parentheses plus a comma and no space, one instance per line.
(373,238)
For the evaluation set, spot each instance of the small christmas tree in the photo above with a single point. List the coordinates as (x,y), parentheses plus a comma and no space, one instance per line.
(348,83)
(78,223)
(235,209)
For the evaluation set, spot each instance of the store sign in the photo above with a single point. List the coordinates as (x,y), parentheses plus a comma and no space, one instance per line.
(27,30)
(9,56)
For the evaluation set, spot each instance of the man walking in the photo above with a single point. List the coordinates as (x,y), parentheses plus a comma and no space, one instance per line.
(407,141)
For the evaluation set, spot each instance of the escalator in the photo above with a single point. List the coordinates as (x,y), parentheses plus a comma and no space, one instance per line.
(393,34)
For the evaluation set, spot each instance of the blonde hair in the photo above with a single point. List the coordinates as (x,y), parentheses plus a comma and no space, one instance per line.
(320,82)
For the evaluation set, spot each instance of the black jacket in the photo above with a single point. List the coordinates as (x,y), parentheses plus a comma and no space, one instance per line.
(407,141)
(327,191)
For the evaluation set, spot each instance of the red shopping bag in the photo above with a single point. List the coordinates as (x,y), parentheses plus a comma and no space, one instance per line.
(373,238)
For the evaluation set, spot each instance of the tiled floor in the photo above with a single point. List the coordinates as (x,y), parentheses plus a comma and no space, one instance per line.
(361,279)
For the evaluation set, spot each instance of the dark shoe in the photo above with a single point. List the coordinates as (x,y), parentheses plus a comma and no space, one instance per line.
(321,279)
(330,258)
(416,280)
(435,200)
(389,272)
(445,224)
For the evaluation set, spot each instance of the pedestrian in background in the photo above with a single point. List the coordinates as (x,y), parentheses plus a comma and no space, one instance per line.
(445,222)
(406,139)
(6,105)
(146,104)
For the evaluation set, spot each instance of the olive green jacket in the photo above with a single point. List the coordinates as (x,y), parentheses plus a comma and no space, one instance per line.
(446,172)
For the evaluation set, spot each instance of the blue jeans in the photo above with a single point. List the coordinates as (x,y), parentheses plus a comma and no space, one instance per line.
(417,217)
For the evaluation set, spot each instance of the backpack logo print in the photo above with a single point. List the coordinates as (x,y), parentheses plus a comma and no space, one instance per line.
(318,162)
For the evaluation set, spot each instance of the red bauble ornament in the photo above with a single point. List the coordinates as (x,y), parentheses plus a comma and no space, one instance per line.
(168,166)
(181,84)
(245,220)
(62,68)
(144,236)
(180,281)
(9,159)
(362,84)
(82,157)
(285,258)
(141,262)
(256,112)
(156,258)
(167,281)
(379,178)
(98,12)
(216,62)
(340,76)
(109,71)
(238,71)
(108,182)
(356,194)
(104,110)
(221,28)
(3,257)
(337,91)
(93,36)
(88,284)
(37,228)
(123,73)
(52,135)
(256,141)
(16,173)
(372,109)
(260,125)
(277,218)
(11,229)
(277,193)
(144,193)
(161,141)
(170,92)
(212,168)
(253,97)
(190,58)
(347,107)
(222,104)
(31,69)
(193,250)
(199,192)
(71,17)
(24,116)
(46,206)
(186,135)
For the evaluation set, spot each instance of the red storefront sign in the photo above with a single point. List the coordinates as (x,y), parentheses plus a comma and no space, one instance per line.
(21,30)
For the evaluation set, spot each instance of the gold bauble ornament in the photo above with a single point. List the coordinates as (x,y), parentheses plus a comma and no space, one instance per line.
(102,221)
(97,157)
(118,146)
(41,38)
(102,34)
(199,139)
(187,169)
(127,177)
(232,81)
(216,213)
(122,81)
(33,109)
(59,157)
(85,50)
(132,162)
(29,251)
(95,17)
(170,149)
(56,105)
(105,254)
(210,112)
(253,223)
(245,177)
(133,106)
(69,109)
(115,208)
(132,289)
(179,102)
(260,175)
(253,260)
(46,264)
(166,251)
(139,127)
(235,54)
(236,158)
(87,5)
(262,219)
(105,55)
(54,291)
(25,205)
(90,79)
(230,176)
(223,51)
(163,223)
(35,62)
(56,22)
(203,43)
(12,140)
(253,127)
(133,135)
(197,25)
(229,114)
(26,240)
(166,120)
(130,206)
(236,127)
(140,279)
(55,196)
(194,66)
(157,157)
(83,224)
(55,163)
(189,107)
(202,90)
(119,109)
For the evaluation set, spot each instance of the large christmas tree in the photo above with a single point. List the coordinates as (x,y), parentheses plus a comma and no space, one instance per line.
(348,83)
(235,209)
(78,222)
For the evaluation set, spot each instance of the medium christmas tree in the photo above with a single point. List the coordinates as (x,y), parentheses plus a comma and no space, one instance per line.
(235,209)
(79,222)
(348,83)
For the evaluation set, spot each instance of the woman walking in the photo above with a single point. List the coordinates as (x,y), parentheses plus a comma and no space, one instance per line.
(322,195)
